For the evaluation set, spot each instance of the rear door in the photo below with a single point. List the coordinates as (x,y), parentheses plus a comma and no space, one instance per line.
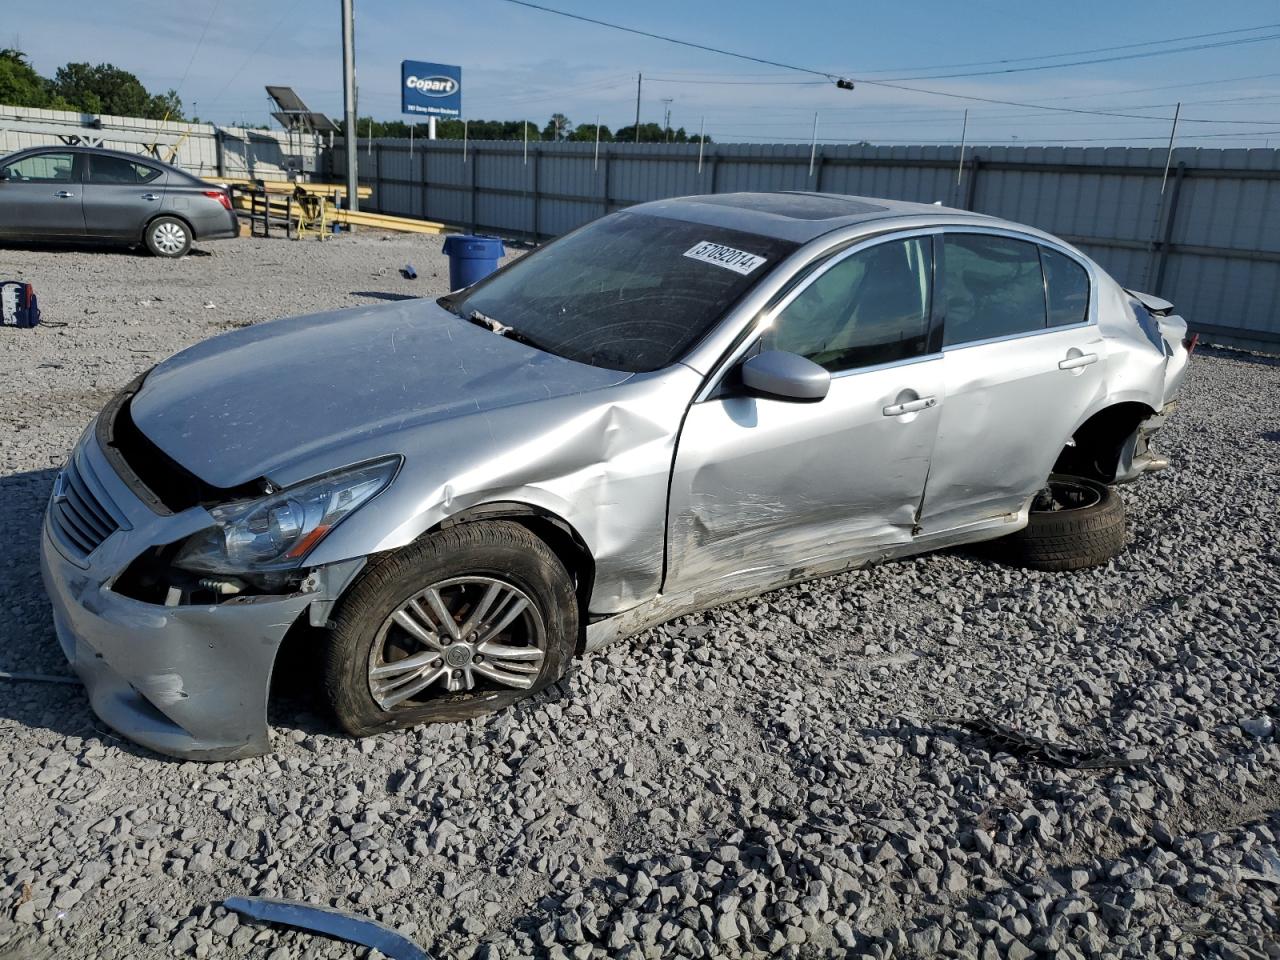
(120,195)
(40,195)
(1023,362)
(762,486)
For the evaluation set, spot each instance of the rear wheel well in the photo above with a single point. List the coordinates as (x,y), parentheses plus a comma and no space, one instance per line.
(1098,442)
(171,216)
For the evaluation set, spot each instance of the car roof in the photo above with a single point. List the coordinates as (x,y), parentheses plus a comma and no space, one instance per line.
(794,215)
(102,152)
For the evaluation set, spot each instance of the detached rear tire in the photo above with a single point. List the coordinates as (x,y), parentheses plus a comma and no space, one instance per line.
(1076,523)
(456,625)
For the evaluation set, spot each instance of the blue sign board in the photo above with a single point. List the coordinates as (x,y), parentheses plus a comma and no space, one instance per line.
(434,89)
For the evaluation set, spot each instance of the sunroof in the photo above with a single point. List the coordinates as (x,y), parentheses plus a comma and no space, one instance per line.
(797,206)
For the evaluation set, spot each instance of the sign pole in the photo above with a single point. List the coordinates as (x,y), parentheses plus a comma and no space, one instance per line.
(595,164)
(702,141)
(1169,156)
(813,143)
(464,140)
(639,81)
(526,143)
(349,102)
(411,142)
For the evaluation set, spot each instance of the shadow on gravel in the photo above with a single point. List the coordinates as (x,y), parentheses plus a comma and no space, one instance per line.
(380,295)
(1271,435)
(88,246)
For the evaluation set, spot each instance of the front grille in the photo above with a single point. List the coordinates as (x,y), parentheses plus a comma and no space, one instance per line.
(80,513)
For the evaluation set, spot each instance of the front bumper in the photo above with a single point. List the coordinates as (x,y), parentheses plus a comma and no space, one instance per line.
(189,681)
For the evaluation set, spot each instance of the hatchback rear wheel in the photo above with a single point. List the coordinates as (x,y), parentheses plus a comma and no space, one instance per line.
(1074,523)
(459,624)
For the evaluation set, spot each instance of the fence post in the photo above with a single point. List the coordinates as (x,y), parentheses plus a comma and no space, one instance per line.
(537,157)
(605,197)
(715,170)
(1167,238)
(219,154)
(971,190)
(424,151)
(475,160)
(377,178)
(817,172)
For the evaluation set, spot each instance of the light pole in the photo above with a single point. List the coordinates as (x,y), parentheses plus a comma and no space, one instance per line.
(349,101)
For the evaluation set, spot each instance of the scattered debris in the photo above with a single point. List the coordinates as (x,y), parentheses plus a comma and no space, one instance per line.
(1027,747)
(408,272)
(211,306)
(1258,727)
(19,306)
(330,921)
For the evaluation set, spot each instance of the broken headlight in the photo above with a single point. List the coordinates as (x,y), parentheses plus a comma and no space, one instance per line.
(277,532)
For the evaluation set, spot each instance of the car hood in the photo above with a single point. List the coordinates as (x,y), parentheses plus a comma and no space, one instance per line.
(249,403)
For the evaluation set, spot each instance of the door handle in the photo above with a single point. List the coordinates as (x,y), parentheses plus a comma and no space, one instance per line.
(911,406)
(1083,360)
(151,196)
(64,194)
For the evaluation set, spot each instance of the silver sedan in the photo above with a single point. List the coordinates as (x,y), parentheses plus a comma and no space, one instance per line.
(88,193)
(682,403)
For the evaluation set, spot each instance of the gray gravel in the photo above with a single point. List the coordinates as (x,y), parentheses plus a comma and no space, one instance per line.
(782,776)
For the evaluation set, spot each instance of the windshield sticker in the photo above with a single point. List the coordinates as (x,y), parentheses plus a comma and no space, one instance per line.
(739,261)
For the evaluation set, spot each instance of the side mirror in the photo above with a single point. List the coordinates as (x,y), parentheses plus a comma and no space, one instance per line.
(785,376)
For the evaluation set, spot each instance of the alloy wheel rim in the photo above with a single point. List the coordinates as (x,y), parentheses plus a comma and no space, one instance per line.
(459,634)
(169,237)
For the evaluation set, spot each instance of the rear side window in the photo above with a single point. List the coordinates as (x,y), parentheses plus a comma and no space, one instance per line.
(872,307)
(42,168)
(119,170)
(1066,288)
(991,287)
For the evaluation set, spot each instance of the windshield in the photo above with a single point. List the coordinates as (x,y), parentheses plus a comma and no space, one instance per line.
(627,292)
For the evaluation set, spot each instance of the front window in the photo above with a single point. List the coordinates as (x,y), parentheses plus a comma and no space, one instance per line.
(42,168)
(871,307)
(627,292)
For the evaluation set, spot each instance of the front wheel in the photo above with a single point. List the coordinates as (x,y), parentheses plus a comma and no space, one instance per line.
(168,237)
(461,623)
(1074,523)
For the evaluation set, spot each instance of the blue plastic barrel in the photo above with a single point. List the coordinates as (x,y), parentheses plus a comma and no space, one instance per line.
(471,258)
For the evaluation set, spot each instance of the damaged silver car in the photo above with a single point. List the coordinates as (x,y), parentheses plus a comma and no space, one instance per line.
(686,402)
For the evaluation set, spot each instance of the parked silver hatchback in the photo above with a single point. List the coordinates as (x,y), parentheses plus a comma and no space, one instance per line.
(686,402)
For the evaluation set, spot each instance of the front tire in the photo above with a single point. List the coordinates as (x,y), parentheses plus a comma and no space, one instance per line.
(1074,523)
(168,237)
(459,624)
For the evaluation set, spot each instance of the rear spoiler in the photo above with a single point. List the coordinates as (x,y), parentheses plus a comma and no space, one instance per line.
(1157,305)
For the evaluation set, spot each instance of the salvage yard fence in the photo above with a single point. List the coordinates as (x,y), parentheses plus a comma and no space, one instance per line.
(1207,237)
(1204,233)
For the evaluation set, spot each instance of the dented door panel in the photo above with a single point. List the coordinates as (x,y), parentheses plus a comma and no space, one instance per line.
(767,485)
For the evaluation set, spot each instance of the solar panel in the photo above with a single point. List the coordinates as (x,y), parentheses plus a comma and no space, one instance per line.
(287,100)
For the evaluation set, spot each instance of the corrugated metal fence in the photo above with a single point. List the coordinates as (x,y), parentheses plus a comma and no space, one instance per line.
(1210,241)
(201,148)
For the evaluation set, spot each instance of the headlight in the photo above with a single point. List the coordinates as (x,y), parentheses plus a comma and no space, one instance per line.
(278,531)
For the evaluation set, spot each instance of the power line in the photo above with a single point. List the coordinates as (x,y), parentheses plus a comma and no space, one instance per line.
(1079,53)
(1080,63)
(682,43)
(267,36)
(199,43)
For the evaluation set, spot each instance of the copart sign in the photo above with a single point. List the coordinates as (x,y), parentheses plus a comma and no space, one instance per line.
(434,89)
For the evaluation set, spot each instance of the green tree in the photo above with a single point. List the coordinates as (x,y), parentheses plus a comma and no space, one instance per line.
(108,89)
(21,86)
(586,132)
(559,127)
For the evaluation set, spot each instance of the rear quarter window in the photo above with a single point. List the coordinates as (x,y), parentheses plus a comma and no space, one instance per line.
(1066,288)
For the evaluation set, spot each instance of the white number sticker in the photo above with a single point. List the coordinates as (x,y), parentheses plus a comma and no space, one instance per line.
(739,261)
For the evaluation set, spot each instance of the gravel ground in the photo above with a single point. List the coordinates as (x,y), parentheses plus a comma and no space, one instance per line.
(783,776)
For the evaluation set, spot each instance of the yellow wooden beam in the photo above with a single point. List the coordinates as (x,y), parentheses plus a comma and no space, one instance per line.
(358,218)
(288,186)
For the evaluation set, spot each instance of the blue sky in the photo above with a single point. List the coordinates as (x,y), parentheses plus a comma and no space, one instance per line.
(519,63)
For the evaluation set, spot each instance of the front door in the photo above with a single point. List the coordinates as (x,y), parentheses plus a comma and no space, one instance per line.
(764,489)
(40,196)
(1022,365)
(120,196)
